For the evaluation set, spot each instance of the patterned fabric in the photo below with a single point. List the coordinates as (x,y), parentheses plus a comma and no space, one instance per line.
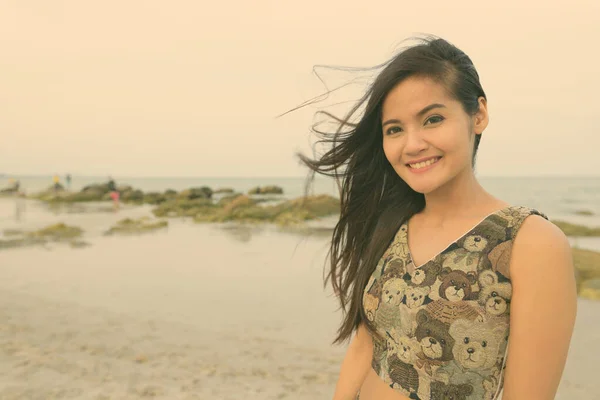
(446,322)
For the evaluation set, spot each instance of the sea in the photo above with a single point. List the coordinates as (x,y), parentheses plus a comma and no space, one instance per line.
(558,197)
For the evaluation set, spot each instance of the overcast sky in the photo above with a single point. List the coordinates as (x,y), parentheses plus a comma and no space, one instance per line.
(192,88)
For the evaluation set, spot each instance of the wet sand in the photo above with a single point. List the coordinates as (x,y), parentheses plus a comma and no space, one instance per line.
(192,312)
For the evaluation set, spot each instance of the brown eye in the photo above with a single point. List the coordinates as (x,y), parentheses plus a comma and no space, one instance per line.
(393,130)
(484,344)
(466,340)
(428,332)
(443,341)
(494,294)
(452,282)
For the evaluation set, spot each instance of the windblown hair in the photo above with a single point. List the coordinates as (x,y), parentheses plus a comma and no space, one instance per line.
(374,200)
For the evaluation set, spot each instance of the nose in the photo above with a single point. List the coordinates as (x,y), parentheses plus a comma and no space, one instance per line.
(432,341)
(414,142)
(498,301)
(470,350)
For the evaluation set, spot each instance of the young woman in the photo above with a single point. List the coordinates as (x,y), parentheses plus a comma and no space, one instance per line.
(448,292)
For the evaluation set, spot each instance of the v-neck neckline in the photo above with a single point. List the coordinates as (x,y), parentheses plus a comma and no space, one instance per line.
(409,253)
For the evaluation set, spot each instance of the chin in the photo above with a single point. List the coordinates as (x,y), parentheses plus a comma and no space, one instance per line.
(424,188)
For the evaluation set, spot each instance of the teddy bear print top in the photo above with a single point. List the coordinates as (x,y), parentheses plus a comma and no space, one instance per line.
(445,323)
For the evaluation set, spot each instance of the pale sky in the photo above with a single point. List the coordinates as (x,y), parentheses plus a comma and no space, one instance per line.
(192,88)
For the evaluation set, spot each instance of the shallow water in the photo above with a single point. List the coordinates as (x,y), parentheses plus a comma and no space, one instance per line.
(191,312)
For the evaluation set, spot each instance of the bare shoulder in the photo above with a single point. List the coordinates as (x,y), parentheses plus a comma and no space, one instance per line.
(540,244)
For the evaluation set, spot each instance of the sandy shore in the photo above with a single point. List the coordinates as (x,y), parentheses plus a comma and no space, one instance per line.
(193,312)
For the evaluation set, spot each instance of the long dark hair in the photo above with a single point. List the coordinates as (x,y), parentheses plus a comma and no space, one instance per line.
(374,200)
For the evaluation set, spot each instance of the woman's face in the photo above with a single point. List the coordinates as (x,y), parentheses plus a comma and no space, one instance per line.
(428,138)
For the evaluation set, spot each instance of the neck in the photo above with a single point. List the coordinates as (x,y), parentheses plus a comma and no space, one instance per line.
(463,196)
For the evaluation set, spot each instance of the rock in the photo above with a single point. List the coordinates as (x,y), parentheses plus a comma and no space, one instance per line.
(570,229)
(317,206)
(79,244)
(8,191)
(182,207)
(587,268)
(57,232)
(132,196)
(154,198)
(132,226)
(266,190)
(203,192)
(228,199)
(53,233)
(590,289)
(13,232)
(247,210)
(223,190)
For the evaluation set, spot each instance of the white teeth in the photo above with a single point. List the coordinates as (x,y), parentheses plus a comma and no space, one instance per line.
(424,163)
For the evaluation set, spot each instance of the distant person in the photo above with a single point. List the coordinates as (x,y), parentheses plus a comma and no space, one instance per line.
(448,291)
(114,193)
(56,182)
(68,181)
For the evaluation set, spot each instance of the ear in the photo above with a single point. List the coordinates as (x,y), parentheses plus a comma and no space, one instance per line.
(445,272)
(472,277)
(465,389)
(487,278)
(481,118)
(422,317)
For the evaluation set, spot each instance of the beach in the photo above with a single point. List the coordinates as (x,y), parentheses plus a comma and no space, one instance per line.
(194,311)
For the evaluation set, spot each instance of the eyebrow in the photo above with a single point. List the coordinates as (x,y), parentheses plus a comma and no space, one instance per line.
(419,114)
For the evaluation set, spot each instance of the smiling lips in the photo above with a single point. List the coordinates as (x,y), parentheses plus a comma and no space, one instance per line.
(423,163)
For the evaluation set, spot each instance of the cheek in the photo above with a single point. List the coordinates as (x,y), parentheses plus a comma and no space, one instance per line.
(392,150)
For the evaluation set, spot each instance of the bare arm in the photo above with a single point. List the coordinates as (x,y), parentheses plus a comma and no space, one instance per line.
(543,310)
(355,366)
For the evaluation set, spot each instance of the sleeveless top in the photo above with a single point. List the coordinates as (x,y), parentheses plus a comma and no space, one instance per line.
(445,323)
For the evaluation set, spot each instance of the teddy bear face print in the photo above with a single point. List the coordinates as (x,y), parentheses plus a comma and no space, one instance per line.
(493,295)
(477,344)
(433,337)
(393,291)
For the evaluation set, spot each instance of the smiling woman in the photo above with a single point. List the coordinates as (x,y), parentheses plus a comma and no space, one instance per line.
(480,297)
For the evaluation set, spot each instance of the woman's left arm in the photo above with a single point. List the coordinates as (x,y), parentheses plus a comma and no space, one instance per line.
(543,309)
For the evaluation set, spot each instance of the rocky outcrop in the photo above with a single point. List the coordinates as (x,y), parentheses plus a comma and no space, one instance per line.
(266,190)
(51,234)
(203,192)
(570,229)
(129,226)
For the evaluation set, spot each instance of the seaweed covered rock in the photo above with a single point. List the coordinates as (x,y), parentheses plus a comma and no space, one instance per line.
(587,268)
(224,190)
(132,196)
(248,210)
(570,229)
(590,289)
(57,232)
(203,192)
(130,226)
(53,233)
(179,207)
(154,198)
(584,213)
(266,190)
